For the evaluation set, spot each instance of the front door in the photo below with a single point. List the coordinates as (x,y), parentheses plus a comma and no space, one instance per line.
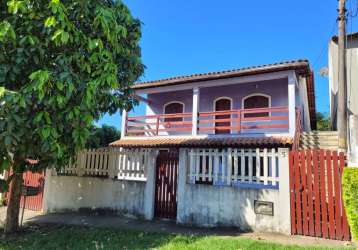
(166,185)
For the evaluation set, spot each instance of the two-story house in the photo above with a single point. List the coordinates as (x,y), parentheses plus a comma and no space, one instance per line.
(255,106)
(211,150)
(232,129)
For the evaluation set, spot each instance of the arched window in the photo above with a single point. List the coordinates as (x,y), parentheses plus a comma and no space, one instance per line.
(173,108)
(222,104)
(256,101)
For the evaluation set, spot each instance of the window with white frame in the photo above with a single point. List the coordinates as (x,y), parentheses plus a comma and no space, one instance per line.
(256,101)
(175,107)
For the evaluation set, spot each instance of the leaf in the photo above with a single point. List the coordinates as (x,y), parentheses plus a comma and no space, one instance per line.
(6,31)
(22,102)
(45,132)
(31,40)
(38,117)
(50,21)
(57,34)
(60,99)
(59,85)
(64,37)
(47,117)
(14,6)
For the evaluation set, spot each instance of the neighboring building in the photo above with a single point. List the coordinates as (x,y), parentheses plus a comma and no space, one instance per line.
(211,150)
(352,88)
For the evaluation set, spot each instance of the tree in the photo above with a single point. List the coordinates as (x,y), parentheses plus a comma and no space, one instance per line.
(323,121)
(102,136)
(63,63)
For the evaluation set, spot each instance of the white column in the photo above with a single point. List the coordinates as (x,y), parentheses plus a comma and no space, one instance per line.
(182,185)
(292,104)
(284,209)
(149,191)
(196,99)
(123,125)
(305,114)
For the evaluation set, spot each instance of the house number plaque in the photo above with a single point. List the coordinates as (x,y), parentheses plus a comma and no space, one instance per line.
(263,207)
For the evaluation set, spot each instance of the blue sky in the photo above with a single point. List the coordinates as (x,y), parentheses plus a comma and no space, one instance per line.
(184,37)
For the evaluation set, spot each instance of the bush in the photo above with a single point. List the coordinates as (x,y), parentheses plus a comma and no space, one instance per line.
(350,197)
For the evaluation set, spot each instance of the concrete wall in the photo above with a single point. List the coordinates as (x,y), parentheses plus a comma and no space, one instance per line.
(352,76)
(227,206)
(352,90)
(72,193)
(202,205)
(210,206)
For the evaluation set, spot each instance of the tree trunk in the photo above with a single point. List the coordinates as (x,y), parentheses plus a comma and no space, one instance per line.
(13,207)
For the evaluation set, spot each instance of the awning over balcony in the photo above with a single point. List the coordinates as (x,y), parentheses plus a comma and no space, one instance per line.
(243,142)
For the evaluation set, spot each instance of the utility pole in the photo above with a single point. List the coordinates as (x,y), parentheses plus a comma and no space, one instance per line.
(342,81)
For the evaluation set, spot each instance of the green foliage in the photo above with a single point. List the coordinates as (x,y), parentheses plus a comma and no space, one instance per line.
(63,63)
(350,197)
(102,136)
(323,122)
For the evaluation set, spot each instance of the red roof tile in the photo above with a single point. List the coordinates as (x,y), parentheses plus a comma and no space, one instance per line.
(299,65)
(244,142)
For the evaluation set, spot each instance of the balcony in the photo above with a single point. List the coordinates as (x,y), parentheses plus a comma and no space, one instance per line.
(231,122)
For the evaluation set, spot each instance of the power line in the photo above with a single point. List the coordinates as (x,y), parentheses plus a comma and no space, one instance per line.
(325,47)
(351,13)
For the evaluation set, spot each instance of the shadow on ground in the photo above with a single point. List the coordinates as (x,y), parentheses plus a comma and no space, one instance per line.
(103,231)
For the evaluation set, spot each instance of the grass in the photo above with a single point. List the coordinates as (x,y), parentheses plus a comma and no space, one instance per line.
(74,237)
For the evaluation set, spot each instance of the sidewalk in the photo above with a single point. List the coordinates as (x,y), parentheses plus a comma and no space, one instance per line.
(127,223)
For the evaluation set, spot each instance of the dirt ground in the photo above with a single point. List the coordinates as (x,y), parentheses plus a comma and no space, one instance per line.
(27,215)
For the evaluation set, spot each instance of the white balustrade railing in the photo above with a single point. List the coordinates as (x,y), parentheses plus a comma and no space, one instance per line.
(234,167)
(123,164)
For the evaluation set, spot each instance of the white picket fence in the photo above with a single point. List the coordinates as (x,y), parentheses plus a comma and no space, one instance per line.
(234,167)
(123,164)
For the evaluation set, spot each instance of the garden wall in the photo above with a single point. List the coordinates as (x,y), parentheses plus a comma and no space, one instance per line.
(73,193)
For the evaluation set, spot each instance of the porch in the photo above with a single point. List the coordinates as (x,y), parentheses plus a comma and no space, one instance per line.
(260,105)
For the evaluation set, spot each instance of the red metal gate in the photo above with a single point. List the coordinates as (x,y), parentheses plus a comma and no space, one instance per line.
(36,180)
(316,194)
(33,180)
(166,185)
